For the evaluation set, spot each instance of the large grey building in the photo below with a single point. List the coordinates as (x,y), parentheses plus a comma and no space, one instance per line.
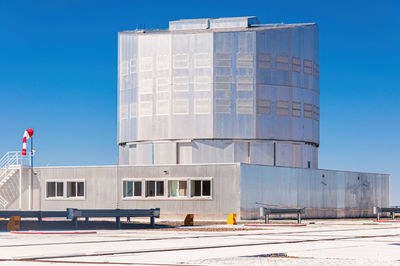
(215,116)
(219,91)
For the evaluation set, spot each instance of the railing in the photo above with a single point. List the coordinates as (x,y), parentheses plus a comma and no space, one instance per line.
(267,211)
(392,210)
(74,214)
(15,158)
(3,202)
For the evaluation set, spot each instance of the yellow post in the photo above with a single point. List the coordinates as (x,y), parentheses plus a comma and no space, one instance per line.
(189,220)
(232,218)
(14,223)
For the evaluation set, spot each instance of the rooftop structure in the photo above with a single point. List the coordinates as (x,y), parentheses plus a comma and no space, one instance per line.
(220,90)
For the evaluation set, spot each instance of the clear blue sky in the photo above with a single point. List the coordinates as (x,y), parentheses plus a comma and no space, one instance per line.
(58,74)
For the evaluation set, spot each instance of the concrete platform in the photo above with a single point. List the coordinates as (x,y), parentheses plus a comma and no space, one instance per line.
(327,242)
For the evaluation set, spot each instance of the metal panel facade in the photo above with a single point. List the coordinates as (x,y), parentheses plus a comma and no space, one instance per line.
(325,193)
(104,189)
(240,82)
(234,188)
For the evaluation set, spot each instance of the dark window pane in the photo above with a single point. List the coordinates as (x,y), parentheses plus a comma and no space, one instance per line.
(51,189)
(60,189)
(160,188)
(196,188)
(128,186)
(71,189)
(138,189)
(81,189)
(150,188)
(206,188)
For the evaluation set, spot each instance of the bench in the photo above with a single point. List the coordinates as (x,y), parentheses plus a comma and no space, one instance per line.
(74,214)
(267,211)
(391,210)
(33,214)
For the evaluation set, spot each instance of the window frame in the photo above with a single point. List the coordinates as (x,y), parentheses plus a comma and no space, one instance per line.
(65,189)
(166,196)
(155,188)
(55,197)
(178,180)
(77,197)
(133,194)
(201,191)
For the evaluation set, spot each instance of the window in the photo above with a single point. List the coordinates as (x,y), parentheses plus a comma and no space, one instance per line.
(244,106)
(223,60)
(132,189)
(263,107)
(54,189)
(244,60)
(296,64)
(181,61)
(316,71)
(282,62)
(201,188)
(307,67)
(137,189)
(264,61)
(307,110)
(177,188)
(154,188)
(75,189)
(282,108)
(296,109)
(316,112)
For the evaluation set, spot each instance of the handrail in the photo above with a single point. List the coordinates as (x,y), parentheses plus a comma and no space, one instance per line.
(3,202)
(14,158)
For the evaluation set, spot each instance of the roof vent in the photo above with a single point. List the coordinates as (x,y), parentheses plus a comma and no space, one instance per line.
(217,23)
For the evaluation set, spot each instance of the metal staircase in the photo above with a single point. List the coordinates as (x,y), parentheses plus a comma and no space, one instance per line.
(10,164)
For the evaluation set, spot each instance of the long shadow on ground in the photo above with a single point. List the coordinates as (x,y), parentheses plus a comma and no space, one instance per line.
(82,225)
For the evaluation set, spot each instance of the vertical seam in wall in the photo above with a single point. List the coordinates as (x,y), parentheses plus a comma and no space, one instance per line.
(254,87)
(152,153)
(118,92)
(213,85)
(212,94)
(170,87)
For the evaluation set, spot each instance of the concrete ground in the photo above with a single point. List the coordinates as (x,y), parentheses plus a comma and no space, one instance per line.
(326,242)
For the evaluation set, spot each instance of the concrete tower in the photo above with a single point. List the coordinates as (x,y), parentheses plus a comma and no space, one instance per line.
(219,91)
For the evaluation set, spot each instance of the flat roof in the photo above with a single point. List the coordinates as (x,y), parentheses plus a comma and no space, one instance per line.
(218,24)
(207,164)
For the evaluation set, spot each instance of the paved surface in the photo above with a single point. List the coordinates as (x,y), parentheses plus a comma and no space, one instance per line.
(359,242)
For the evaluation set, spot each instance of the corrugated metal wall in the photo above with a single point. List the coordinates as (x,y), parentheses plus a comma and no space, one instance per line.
(235,188)
(325,193)
(243,84)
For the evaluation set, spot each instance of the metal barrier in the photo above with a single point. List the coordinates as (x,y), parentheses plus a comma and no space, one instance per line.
(267,211)
(392,210)
(74,214)
(33,214)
